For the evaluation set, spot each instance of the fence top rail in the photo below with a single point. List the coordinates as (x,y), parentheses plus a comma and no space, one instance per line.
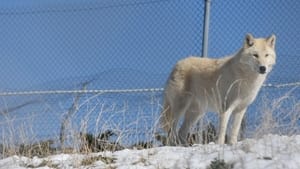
(98,91)
(282,85)
(95,91)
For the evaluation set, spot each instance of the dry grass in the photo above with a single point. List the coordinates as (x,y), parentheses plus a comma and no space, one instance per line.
(77,138)
(279,115)
(92,159)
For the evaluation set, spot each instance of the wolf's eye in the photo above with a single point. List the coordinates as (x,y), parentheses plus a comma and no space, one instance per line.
(266,55)
(255,55)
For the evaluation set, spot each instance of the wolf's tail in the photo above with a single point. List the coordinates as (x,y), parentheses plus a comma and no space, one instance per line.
(166,117)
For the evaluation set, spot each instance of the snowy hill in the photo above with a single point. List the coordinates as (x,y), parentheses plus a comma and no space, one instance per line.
(269,152)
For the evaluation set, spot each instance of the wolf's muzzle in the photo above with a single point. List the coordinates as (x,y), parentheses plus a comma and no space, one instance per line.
(262,69)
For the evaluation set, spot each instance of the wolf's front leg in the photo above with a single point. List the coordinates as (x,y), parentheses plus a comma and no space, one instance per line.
(223,122)
(224,118)
(237,120)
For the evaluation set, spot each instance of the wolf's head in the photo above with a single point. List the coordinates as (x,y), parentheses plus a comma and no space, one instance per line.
(259,54)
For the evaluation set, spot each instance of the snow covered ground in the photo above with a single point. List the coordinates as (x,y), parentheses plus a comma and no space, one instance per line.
(269,152)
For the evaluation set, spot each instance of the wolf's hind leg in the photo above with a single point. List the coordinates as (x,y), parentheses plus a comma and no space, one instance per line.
(172,134)
(192,115)
(179,108)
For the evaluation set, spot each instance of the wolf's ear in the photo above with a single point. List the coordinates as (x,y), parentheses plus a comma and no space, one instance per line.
(271,41)
(249,41)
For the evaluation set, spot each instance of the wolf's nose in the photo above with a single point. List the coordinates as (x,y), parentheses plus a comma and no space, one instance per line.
(262,69)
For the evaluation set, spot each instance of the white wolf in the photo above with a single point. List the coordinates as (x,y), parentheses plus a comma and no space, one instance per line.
(227,86)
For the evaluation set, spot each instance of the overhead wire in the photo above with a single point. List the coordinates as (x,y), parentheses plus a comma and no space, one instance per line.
(78,9)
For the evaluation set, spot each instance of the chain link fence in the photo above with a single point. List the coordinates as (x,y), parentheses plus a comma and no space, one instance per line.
(92,67)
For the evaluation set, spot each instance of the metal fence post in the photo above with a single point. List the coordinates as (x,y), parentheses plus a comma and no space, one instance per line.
(206,28)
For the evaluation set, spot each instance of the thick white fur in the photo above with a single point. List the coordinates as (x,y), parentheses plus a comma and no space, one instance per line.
(226,86)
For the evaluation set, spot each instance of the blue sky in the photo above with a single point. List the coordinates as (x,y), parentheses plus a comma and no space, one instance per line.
(57,44)
(41,45)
